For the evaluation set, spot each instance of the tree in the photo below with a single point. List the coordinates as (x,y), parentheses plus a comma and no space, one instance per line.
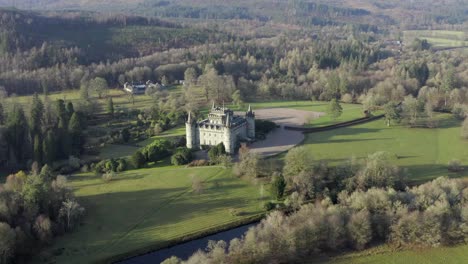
(392,113)
(71,211)
(448,82)
(297,160)
(49,147)
(37,149)
(190,76)
(70,109)
(164,81)
(380,171)
(411,110)
(359,229)
(237,98)
(278,185)
(464,129)
(99,85)
(17,131)
(75,129)
(138,159)
(84,92)
(7,242)
(126,135)
(2,115)
(110,106)
(334,109)
(36,116)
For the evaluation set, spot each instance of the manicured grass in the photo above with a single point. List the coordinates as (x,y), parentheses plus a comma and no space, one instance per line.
(443,255)
(147,208)
(124,150)
(423,152)
(438,38)
(120,98)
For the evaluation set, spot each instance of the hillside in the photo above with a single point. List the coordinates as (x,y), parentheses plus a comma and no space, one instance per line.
(97,36)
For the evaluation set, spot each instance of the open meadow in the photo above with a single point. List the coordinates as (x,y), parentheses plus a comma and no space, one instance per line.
(439,38)
(384,255)
(147,209)
(424,152)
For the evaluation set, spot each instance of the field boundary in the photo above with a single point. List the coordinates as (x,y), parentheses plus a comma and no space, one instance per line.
(308,130)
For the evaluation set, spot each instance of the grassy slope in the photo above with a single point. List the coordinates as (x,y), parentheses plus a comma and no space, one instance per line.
(439,38)
(424,152)
(147,208)
(443,255)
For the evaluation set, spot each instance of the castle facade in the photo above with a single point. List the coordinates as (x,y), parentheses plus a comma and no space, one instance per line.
(222,126)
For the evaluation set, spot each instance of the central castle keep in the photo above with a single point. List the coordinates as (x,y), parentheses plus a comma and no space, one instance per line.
(222,126)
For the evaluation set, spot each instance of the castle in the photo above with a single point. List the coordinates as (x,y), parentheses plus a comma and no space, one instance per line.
(222,126)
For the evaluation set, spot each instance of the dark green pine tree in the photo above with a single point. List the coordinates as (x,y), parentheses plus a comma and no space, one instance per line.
(36,117)
(17,132)
(75,129)
(2,115)
(110,106)
(49,147)
(70,109)
(37,150)
(62,113)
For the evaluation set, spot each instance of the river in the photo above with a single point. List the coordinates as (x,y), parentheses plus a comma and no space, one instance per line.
(185,250)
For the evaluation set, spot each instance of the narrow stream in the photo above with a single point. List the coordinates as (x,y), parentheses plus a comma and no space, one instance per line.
(185,250)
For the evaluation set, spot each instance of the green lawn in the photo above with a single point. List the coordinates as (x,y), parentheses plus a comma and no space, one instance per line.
(438,38)
(443,255)
(124,150)
(423,152)
(146,208)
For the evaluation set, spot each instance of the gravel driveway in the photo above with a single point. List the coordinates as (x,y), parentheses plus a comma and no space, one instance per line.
(280,139)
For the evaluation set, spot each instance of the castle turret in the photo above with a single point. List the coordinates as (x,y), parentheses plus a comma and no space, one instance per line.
(227,134)
(250,118)
(190,131)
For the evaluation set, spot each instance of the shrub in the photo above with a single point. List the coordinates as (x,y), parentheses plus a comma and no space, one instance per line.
(269,206)
(198,163)
(454,166)
(138,159)
(121,165)
(108,176)
(157,150)
(125,135)
(215,152)
(182,156)
(347,98)
(278,185)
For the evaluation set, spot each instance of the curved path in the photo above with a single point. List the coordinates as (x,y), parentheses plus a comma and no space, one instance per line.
(281,139)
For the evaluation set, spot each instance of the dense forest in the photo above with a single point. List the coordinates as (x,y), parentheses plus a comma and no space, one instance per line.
(405,60)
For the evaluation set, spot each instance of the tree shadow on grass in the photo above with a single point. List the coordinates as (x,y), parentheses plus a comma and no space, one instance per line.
(418,174)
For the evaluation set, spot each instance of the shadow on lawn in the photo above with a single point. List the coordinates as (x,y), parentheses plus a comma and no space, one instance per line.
(418,174)
(138,212)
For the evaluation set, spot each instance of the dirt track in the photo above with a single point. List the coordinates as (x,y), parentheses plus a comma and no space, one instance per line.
(280,139)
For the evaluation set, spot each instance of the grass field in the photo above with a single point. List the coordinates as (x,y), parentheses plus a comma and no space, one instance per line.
(146,208)
(383,255)
(423,152)
(438,38)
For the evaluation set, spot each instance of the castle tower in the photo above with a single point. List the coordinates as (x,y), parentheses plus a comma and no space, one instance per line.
(250,118)
(190,132)
(227,141)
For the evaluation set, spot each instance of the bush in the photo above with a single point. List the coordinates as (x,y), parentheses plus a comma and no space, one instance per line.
(182,156)
(121,165)
(138,159)
(347,98)
(108,176)
(198,163)
(455,166)
(216,151)
(157,150)
(269,206)
(278,185)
